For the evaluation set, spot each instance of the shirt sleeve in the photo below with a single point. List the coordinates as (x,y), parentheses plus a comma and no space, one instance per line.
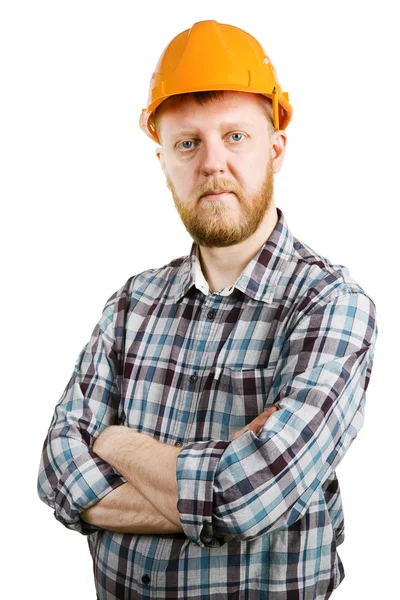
(260,483)
(71,476)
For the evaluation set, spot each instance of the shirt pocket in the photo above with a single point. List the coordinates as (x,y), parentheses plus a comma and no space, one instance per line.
(245,394)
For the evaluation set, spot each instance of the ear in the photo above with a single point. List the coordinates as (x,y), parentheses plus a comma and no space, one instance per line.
(278,147)
(160,156)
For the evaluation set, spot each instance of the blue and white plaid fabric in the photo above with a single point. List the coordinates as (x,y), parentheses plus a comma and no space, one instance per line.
(262,514)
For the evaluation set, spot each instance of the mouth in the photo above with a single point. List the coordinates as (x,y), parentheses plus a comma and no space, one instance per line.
(216,195)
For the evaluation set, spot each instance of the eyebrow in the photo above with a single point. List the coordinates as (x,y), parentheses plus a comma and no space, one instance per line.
(191,132)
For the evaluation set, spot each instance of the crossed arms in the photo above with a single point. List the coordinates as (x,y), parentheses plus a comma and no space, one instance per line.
(95,474)
(149,466)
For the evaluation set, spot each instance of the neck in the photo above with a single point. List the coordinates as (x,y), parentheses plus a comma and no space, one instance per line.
(222,266)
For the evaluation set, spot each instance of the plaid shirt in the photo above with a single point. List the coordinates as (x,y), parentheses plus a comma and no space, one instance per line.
(262,515)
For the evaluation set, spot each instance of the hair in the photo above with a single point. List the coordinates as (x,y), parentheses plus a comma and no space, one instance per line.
(208,96)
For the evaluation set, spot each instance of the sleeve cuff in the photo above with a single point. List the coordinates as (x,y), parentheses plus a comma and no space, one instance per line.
(195,472)
(81,489)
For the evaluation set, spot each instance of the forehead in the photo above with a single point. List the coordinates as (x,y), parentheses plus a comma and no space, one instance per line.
(233,108)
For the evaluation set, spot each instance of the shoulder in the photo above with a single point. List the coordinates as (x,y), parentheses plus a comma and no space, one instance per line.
(148,286)
(316,281)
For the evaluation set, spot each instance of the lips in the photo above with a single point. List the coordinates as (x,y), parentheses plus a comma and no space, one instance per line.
(217,193)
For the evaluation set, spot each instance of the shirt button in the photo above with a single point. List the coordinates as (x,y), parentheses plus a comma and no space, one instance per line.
(211,314)
(178,443)
(194,377)
(146,579)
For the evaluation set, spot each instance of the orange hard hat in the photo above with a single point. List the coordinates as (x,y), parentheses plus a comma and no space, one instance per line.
(214,56)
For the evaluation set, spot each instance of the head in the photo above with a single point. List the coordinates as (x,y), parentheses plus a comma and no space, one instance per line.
(220,141)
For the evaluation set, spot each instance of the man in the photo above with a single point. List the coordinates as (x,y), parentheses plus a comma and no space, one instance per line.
(197,440)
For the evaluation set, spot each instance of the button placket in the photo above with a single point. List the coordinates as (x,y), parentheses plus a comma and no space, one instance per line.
(204,335)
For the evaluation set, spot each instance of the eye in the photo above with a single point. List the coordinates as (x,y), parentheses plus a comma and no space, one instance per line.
(185,145)
(236,134)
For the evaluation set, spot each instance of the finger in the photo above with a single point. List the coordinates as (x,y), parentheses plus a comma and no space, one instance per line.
(267,413)
(257,423)
(270,409)
(263,417)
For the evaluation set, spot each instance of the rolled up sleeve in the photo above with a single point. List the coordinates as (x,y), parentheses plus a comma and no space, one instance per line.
(263,482)
(71,476)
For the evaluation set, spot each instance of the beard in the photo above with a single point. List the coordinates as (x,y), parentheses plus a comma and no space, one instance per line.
(214,223)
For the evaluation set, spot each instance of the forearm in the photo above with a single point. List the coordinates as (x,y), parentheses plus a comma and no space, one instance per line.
(126,510)
(149,465)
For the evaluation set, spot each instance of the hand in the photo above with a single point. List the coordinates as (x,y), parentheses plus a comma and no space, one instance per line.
(258,422)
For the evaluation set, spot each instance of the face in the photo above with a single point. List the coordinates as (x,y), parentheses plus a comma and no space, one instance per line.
(222,146)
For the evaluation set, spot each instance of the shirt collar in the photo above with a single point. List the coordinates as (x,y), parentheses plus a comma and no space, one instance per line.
(258,279)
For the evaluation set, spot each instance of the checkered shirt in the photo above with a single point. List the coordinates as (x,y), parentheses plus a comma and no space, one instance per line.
(262,515)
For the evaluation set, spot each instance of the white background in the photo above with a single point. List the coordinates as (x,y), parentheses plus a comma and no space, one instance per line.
(84,206)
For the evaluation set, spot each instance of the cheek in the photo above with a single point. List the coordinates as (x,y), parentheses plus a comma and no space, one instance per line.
(254,171)
(248,173)
(183,180)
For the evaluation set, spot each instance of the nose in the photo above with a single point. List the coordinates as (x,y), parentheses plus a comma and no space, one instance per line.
(213,159)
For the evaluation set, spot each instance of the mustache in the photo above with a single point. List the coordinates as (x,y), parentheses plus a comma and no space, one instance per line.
(216,185)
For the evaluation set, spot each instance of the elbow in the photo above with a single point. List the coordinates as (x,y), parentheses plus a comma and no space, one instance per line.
(241,533)
(251,525)
(48,489)
(46,494)
(227,530)
(46,484)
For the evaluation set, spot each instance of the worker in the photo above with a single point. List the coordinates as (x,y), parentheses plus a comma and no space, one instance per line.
(197,441)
